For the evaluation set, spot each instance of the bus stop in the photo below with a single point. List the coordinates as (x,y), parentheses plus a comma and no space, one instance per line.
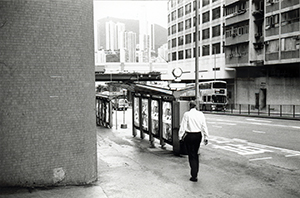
(157,111)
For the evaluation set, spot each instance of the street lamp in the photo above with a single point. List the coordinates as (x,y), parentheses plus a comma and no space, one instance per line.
(196,57)
(124,125)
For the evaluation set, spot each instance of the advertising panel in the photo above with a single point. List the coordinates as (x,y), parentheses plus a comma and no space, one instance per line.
(167,121)
(145,114)
(136,111)
(155,117)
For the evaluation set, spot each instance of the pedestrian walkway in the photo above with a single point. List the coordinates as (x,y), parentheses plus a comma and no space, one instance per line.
(129,167)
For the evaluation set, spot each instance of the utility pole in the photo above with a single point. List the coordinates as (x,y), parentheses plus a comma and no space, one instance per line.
(196,57)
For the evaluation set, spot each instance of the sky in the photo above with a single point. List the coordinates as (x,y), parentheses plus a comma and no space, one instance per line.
(157,11)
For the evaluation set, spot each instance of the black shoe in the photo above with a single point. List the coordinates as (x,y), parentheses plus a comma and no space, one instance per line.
(193,179)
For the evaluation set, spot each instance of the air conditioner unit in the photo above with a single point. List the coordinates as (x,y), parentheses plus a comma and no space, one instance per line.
(257,35)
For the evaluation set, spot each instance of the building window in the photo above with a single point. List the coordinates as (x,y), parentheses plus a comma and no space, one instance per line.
(169,16)
(216,31)
(205,50)
(205,34)
(216,48)
(188,53)
(174,56)
(205,17)
(216,13)
(188,24)
(272,21)
(290,17)
(174,42)
(188,38)
(188,8)
(290,44)
(180,55)
(174,29)
(180,26)
(205,2)
(169,31)
(180,40)
(272,46)
(180,12)
(173,15)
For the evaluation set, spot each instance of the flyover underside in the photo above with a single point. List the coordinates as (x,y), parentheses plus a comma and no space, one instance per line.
(152,76)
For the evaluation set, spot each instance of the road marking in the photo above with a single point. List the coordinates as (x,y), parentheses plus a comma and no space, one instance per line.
(257,120)
(243,147)
(262,158)
(254,131)
(265,123)
(292,155)
(216,126)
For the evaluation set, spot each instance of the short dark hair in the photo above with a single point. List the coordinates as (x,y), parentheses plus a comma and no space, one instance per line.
(193,104)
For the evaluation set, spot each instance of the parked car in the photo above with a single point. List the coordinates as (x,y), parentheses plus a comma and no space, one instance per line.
(120,104)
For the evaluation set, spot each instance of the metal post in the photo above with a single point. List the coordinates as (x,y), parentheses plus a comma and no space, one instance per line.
(196,57)
(124,125)
(215,52)
(269,110)
(280,110)
(293,111)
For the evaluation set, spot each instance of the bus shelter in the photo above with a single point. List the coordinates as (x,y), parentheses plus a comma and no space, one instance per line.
(104,110)
(157,112)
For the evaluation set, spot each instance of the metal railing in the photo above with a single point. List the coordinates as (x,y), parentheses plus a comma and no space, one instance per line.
(279,111)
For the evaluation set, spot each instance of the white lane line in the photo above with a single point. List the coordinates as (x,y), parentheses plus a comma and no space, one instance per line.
(258,120)
(254,131)
(217,126)
(262,158)
(292,155)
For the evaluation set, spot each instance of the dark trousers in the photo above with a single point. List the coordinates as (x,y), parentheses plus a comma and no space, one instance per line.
(192,141)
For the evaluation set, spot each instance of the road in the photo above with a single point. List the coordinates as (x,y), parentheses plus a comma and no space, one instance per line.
(274,141)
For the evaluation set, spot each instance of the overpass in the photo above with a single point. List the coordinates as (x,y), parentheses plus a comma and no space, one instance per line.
(132,72)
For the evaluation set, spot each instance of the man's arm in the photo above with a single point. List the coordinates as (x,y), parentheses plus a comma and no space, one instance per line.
(182,127)
(205,130)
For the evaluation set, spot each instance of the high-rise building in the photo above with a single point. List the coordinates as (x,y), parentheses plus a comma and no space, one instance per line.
(182,37)
(130,46)
(144,36)
(262,44)
(111,35)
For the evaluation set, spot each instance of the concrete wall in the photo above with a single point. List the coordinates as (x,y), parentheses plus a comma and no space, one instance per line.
(47,119)
(279,90)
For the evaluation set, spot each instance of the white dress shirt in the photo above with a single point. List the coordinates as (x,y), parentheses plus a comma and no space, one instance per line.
(193,121)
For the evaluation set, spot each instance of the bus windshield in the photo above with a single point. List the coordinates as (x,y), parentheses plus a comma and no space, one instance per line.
(219,85)
(219,99)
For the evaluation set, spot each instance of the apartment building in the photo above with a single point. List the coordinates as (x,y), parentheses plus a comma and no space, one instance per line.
(262,45)
(182,35)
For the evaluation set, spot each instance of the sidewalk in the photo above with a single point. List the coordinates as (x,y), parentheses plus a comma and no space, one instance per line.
(128,167)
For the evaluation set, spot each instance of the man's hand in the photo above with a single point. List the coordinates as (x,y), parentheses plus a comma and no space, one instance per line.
(205,141)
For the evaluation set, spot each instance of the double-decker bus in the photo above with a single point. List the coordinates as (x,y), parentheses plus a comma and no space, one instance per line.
(213,95)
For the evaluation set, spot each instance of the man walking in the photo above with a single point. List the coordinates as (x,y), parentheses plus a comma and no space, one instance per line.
(192,127)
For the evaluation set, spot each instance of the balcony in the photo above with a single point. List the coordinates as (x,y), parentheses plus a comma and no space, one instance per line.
(289,26)
(240,15)
(236,38)
(272,56)
(290,54)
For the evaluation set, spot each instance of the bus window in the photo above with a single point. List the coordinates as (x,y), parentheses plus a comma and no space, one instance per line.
(219,85)
(209,99)
(219,99)
(204,98)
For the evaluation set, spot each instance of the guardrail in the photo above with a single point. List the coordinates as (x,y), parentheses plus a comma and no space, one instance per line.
(277,111)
